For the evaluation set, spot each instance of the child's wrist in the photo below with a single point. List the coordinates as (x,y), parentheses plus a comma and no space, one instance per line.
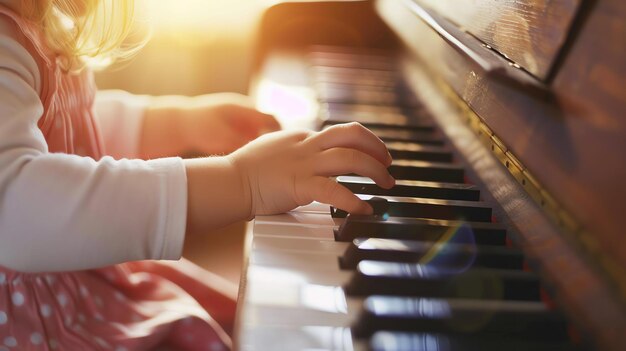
(217,193)
(245,187)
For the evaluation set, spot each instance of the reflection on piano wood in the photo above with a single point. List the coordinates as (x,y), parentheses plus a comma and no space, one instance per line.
(457,256)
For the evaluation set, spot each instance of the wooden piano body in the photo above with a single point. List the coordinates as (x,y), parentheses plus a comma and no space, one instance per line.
(529,97)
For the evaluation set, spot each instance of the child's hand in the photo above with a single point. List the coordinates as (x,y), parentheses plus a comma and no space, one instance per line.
(213,124)
(280,171)
(219,124)
(286,170)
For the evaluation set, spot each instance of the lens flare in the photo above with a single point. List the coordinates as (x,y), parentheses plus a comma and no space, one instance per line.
(454,258)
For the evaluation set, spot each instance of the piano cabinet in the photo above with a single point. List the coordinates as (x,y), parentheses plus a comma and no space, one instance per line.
(524,101)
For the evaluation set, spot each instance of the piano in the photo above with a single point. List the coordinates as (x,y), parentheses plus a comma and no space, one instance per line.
(505,231)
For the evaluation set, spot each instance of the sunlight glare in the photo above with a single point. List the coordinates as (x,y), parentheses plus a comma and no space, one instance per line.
(201,16)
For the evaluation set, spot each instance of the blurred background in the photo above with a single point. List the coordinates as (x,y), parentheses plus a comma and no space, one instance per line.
(196,47)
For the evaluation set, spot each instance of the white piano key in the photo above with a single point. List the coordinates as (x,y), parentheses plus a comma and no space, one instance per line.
(258,274)
(329,299)
(300,218)
(294,231)
(314,207)
(296,260)
(289,338)
(298,244)
(293,316)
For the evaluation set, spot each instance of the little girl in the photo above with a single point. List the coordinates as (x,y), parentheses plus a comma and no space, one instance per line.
(80,211)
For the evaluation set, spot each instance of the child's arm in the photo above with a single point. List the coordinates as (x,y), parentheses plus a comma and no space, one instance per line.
(120,118)
(214,124)
(64,212)
(140,126)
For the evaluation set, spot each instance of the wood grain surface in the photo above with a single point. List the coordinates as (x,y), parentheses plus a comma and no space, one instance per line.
(530,33)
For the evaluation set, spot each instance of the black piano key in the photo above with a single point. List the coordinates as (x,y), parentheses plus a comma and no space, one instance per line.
(357,80)
(349,78)
(364,95)
(396,134)
(425,127)
(398,90)
(428,171)
(421,152)
(480,233)
(527,320)
(407,341)
(444,253)
(351,50)
(426,280)
(399,122)
(348,60)
(412,188)
(384,75)
(398,206)
(380,205)
(342,93)
(373,112)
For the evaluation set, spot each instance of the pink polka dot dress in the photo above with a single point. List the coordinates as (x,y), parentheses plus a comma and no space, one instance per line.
(132,306)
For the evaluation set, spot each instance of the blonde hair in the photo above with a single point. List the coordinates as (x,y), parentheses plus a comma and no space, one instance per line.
(85,32)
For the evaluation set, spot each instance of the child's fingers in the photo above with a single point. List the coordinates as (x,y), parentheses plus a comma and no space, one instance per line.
(328,191)
(271,123)
(338,161)
(353,135)
(264,122)
(252,123)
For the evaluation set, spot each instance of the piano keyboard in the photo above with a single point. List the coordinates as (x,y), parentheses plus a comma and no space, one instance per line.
(431,270)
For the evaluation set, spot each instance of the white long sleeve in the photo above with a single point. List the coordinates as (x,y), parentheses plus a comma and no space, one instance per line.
(62,212)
